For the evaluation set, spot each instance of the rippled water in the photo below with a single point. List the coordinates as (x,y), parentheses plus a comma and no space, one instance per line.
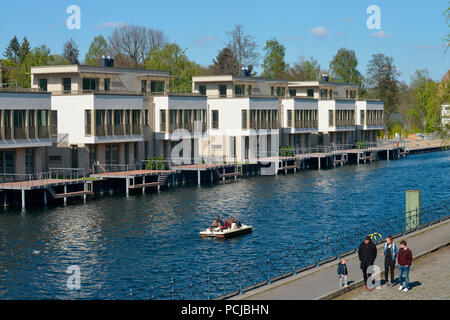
(136,242)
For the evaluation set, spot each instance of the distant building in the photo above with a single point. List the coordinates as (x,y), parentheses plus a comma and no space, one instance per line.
(445,114)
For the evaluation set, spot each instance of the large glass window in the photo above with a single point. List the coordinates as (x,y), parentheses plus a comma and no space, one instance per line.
(310,92)
(67,85)
(43,84)
(29,161)
(239,90)
(362,117)
(215,119)
(244,120)
(88,122)
(107,84)
(223,90)
(143,85)
(202,90)
(89,84)
(7,162)
(156,86)
(330,118)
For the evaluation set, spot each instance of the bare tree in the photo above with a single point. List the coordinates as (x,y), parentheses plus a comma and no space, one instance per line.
(243,46)
(131,45)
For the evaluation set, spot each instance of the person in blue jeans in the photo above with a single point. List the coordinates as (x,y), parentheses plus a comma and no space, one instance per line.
(404,263)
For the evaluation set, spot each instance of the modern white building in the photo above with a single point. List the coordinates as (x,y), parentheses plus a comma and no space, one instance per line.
(243,115)
(299,125)
(445,114)
(369,119)
(25,131)
(336,105)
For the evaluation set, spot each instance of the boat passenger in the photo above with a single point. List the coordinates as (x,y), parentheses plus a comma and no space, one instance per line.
(217,223)
(228,224)
(238,223)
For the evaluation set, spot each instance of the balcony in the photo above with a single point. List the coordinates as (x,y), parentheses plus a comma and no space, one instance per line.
(19,133)
(43,132)
(257,125)
(189,126)
(306,124)
(100,130)
(119,130)
(31,132)
(137,129)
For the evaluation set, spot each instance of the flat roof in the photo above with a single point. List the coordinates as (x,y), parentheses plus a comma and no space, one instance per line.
(95,69)
(321,83)
(219,78)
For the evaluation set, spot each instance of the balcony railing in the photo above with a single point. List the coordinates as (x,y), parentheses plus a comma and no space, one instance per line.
(43,132)
(100,130)
(306,124)
(7,133)
(19,133)
(257,125)
(109,129)
(119,130)
(31,132)
(344,122)
(137,129)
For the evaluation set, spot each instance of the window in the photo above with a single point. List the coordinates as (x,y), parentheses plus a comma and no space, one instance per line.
(238,90)
(223,90)
(362,117)
(292,92)
(281,91)
(29,161)
(330,118)
(67,85)
(215,119)
(146,121)
(289,118)
(272,91)
(136,151)
(249,90)
(202,90)
(126,154)
(162,120)
(92,153)
(53,122)
(144,86)
(156,87)
(107,84)
(310,92)
(88,122)
(244,120)
(43,84)
(89,84)
(7,162)
(323,93)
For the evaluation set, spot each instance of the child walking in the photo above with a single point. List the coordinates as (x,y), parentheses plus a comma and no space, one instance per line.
(342,273)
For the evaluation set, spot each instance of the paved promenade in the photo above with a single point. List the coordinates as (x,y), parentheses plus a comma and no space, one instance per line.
(429,280)
(322,282)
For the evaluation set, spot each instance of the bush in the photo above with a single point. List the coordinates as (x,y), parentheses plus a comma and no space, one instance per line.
(286,151)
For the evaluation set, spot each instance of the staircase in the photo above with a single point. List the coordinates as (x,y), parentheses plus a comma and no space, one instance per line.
(162,178)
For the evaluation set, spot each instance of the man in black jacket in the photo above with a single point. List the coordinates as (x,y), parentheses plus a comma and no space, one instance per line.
(367,254)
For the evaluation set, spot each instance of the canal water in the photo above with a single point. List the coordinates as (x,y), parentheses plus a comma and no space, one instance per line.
(137,242)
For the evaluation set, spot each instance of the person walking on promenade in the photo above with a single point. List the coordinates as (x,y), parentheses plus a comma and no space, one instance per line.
(390,253)
(342,273)
(367,254)
(404,263)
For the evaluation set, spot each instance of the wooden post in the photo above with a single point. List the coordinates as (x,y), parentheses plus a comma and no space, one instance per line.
(318,162)
(198,178)
(23,199)
(45,197)
(143,182)
(85,188)
(127,186)
(65,198)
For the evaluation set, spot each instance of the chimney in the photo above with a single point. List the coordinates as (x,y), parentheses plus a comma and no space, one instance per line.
(245,72)
(325,77)
(107,61)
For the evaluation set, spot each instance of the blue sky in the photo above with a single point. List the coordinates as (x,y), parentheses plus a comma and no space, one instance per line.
(411,32)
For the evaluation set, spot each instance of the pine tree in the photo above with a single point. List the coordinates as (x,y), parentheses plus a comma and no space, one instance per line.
(226,63)
(71,51)
(24,50)
(13,50)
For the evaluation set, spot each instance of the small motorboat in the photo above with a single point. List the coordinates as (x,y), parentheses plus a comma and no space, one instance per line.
(226,233)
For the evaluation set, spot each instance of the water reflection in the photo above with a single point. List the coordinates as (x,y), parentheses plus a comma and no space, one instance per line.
(123,242)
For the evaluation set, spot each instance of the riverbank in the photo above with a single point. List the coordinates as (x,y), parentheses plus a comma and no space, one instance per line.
(429,278)
(322,282)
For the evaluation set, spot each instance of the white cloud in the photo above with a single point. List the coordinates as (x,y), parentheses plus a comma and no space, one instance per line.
(203,40)
(113,25)
(320,32)
(379,34)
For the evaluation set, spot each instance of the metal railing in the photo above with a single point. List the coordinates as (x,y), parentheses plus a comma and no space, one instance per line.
(237,277)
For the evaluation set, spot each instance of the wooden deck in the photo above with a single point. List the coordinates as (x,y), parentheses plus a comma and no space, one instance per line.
(133,173)
(37,184)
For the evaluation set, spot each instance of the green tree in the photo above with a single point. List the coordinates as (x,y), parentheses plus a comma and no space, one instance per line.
(426,110)
(343,67)
(274,64)
(71,52)
(12,52)
(225,63)
(97,49)
(173,59)
(24,50)
(382,83)
(305,70)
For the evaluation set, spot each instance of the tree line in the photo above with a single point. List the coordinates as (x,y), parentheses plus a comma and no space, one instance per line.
(142,47)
